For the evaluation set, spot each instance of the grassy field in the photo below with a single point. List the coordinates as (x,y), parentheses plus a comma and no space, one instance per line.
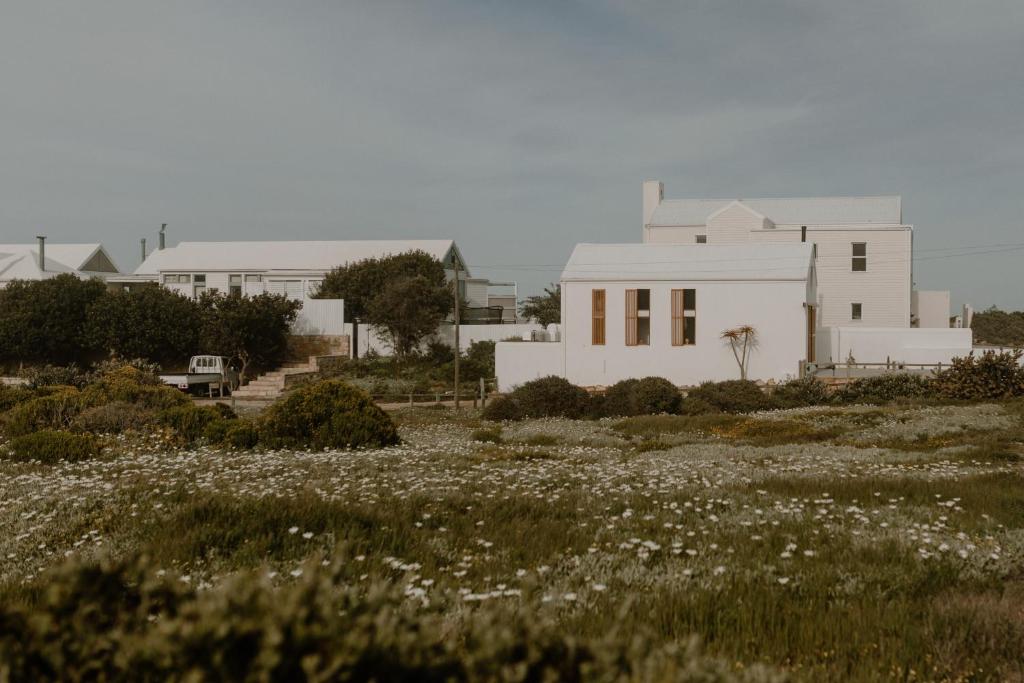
(832,544)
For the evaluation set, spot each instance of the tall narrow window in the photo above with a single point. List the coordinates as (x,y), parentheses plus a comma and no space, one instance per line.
(638,317)
(855,311)
(597,317)
(684,317)
(235,284)
(860,257)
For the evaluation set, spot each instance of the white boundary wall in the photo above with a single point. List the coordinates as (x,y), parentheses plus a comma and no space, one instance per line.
(519,362)
(899,345)
(368,339)
(320,317)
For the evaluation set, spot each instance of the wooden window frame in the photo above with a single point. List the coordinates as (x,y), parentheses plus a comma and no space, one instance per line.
(858,259)
(680,314)
(598,315)
(633,317)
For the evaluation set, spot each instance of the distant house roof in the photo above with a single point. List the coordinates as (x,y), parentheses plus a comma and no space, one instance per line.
(21,261)
(799,211)
(282,256)
(689,262)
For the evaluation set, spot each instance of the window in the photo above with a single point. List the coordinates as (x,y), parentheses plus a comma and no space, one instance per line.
(249,279)
(855,311)
(177,279)
(702,239)
(638,317)
(597,317)
(235,284)
(199,279)
(860,257)
(684,317)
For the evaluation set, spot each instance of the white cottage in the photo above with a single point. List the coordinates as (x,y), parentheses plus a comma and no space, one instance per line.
(635,310)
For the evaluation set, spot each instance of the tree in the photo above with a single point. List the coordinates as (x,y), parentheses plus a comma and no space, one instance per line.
(254,330)
(153,323)
(1002,328)
(408,309)
(42,321)
(742,340)
(545,308)
(359,282)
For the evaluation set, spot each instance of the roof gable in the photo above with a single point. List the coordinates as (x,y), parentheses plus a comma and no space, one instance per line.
(882,210)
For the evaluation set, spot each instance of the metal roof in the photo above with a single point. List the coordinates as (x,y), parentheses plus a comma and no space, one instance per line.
(685,262)
(884,210)
(301,256)
(21,261)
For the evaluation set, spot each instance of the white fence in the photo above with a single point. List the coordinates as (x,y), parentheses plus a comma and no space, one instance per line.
(912,345)
(320,317)
(369,340)
(519,362)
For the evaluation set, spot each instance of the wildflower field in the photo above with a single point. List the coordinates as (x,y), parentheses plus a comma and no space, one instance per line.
(854,543)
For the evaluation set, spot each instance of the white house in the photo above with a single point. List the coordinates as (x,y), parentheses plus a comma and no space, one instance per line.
(41,261)
(635,310)
(865,249)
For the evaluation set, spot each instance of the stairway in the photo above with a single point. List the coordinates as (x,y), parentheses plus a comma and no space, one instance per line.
(270,385)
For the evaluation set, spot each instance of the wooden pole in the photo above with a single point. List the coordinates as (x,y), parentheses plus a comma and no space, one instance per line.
(458,305)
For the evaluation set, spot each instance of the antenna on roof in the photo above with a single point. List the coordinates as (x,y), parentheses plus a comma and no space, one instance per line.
(163,227)
(42,251)
(143,244)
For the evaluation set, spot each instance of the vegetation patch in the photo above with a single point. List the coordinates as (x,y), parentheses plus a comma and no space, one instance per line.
(48,446)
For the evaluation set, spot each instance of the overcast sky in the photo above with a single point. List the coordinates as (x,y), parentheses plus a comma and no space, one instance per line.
(516,128)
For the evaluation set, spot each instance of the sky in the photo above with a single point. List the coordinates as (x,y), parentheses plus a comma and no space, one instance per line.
(516,128)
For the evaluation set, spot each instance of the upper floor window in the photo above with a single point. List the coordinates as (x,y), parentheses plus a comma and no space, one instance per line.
(856,311)
(235,284)
(684,317)
(597,317)
(702,239)
(860,257)
(638,317)
(177,279)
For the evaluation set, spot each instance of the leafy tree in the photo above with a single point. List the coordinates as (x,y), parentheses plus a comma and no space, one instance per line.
(994,326)
(153,323)
(42,321)
(545,308)
(408,309)
(253,329)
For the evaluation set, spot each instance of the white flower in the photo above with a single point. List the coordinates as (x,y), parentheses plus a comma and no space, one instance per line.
(308,535)
(296,573)
(293,530)
(600,587)
(783,580)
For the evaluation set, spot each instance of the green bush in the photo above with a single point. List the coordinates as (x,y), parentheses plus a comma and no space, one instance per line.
(487,435)
(799,393)
(502,408)
(57,409)
(647,396)
(11,396)
(329,414)
(50,446)
(189,421)
(132,385)
(733,396)
(884,389)
(122,621)
(114,418)
(545,397)
(235,433)
(696,406)
(980,378)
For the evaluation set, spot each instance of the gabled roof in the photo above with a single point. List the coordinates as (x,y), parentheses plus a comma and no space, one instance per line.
(885,210)
(282,256)
(689,262)
(21,261)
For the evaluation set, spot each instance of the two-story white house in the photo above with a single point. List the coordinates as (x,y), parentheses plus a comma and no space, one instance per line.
(864,249)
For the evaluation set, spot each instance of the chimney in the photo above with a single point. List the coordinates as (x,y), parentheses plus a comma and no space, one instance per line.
(163,241)
(42,251)
(142,242)
(803,233)
(653,193)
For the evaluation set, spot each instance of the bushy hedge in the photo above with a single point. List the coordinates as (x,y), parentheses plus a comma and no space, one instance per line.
(232,432)
(51,446)
(884,389)
(646,396)
(122,621)
(189,421)
(986,377)
(545,397)
(117,417)
(799,393)
(732,396)
(56,409)
(328,414)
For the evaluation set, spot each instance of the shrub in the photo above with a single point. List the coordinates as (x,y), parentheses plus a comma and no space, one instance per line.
(114,418)
(131,385)
(11,396)
(502,408)
(696,406)
(51,446)
(733,396)
(225,411)
(884,389)
(329,414)
(800,393)
(55,410)
(551,397)
(55,375)
(189,421)
(977,378)
(647,396)
(236,433)
(487,435)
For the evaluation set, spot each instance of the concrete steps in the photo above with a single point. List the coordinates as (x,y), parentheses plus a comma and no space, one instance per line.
(270,385)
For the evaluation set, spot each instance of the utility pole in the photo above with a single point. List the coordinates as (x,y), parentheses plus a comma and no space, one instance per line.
(458,305)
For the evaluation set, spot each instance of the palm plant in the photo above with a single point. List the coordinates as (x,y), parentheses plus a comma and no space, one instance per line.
(742,340)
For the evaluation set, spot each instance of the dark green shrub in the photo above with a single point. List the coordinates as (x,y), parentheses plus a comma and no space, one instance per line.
(114,418)
(487,435)
(646,396)
(884,389)
(55,375)
(189,421)
(50,446)
(733,396)
(236,433)
(132,385)
(328,414)
(799,393)
(551,397)
(502,408)
(696,406)
(225,411)
(990,376)
(57,409)
(11,396)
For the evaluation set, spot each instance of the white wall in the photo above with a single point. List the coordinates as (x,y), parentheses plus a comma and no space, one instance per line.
(775,309)
(368,339)
(519,362)
(930,308)
(320,317)
(882,344)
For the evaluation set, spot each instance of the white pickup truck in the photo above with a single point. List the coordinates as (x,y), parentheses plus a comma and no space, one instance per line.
(206,373)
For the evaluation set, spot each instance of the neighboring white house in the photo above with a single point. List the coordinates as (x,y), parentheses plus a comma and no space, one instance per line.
(864,249)
(23,262)
(636,310)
